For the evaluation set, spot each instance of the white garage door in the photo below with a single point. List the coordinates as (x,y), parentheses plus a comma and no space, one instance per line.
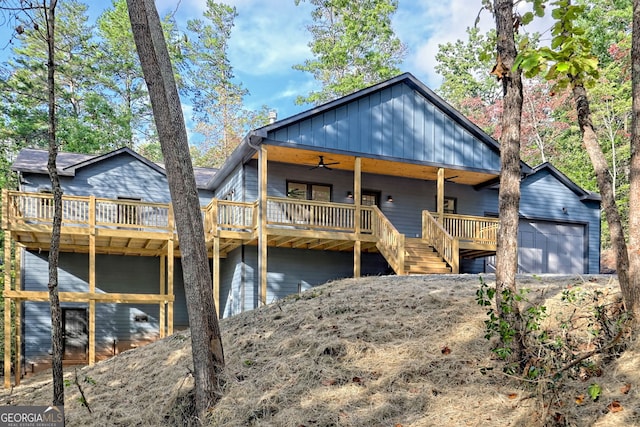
(546,247)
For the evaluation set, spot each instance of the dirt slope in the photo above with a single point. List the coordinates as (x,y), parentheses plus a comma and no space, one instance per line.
(379,351)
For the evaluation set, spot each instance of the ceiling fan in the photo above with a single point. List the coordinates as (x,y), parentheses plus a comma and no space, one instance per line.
(322,165)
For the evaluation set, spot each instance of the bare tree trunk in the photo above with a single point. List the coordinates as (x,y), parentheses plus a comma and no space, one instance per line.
(509,195)
(633,293)
(603,178)
(54,251)
(206,342)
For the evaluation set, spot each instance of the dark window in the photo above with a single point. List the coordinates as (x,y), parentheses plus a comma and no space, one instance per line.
(370,198)
(309,191)
(450,205)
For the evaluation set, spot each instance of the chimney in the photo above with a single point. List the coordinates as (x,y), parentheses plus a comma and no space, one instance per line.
(273,116)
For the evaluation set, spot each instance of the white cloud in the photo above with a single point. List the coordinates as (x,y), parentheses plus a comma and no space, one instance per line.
(269,37)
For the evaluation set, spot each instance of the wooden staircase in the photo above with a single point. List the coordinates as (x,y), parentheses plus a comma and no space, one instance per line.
(420,258)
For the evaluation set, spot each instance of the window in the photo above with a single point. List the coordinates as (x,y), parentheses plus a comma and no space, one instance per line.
(450,205)
(308,191)
(370,198)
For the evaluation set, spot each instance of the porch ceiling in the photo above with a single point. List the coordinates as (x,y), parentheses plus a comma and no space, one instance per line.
(376,166)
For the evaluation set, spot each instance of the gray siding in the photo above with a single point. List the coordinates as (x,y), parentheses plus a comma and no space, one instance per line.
(544,197)
(118,176)
(114,274)
(232,293)
(394,122)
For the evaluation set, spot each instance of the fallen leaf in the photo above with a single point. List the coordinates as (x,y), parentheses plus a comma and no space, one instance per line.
(614,406)
(445,350)
(357,379)
(512,395)
(580,399)
(330,381)
(625,388)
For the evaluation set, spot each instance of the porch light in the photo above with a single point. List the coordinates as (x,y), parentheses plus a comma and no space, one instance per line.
(389,198)
(349,195)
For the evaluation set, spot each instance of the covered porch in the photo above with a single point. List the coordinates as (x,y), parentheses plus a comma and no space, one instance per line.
(135,228)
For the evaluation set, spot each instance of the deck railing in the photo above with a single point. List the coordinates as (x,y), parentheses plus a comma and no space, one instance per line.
(473,229)
(390,241)
(444,243)
(310,214)
(232,216)
(37,208)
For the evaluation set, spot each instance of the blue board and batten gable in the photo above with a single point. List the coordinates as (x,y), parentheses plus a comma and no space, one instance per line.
(400,119)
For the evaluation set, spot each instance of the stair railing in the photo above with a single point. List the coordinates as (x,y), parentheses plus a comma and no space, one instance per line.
(444,243)
(390,241)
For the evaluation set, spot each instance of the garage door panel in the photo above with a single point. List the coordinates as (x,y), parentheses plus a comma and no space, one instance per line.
(546,247)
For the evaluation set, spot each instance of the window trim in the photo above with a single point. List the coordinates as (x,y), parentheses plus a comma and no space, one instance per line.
(309,186)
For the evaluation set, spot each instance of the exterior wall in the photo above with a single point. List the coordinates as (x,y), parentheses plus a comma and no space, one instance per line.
(232,187)
(394,122)
(232,293)
(125,324)
(544,197)
(289,270)
(118,176)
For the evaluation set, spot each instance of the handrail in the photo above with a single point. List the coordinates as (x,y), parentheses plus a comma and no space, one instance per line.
(37,208)
(444,243)
(390,242)
(230,215)
(469,228)
(282,211)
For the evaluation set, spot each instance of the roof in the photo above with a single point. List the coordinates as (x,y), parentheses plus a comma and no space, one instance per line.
(248,147)
(579,191)
(30,160)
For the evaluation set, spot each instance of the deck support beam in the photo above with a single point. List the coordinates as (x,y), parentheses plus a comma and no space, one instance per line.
(262,224)
(163,305)
(440,196)
(92,279)
(7,305)
(170,274)
(215,269)
(357,199)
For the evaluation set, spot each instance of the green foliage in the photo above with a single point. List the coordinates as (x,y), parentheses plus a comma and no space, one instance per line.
(568,61)
(353,45)
(594,391)
(463,66)
(217,101)
(498,325)
(584,332)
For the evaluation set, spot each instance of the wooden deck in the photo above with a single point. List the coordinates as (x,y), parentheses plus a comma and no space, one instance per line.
(124,227)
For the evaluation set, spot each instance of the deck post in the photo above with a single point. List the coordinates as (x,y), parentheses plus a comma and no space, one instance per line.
(170,272)
(357,219)
(18,356)
(170,275)
(262,224)
(440,196)
(7,342)
(215,268)
(163,304)
(5,209)
(7,304)
(92,279)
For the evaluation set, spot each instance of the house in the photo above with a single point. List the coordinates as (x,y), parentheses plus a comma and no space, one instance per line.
(390,179)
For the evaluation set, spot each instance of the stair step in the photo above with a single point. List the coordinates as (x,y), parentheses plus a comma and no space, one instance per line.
(423,259)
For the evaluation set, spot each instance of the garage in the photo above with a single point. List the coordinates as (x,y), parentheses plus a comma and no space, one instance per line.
(550,247)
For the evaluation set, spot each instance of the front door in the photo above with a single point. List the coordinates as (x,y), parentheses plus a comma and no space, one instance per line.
(76,339)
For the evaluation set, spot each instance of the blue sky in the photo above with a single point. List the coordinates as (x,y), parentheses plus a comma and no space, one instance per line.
(270,37)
